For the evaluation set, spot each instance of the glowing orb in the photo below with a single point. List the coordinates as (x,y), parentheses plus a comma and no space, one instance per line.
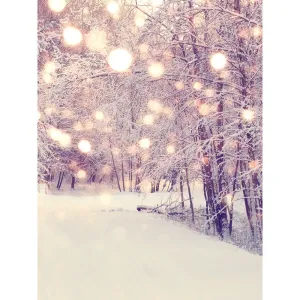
(47,78)
(72,36)
(99,115)
(81,174)
(144,143)
(156,70)
(156,3)
(204,109)
(148,119)
(197,86)
(253,164)
(88,125)
(49,67)
(120,60)
(143,48)
(257,31)
(78,126)
(139,21)
(179,85)
(170,149)
(116,151)
(248,114)
(209,93)
(49,110)
(57,5)
(96,40)
(84,146)
(218,61)
(155,106)
(112,7)
(54,133)
(64,140)
(168,111)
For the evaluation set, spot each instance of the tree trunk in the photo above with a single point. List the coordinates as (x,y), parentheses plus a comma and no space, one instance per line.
(101,179)
(61,180)
(137,176)
(181,191)
(94,177)
(115,169)
(190,195)
(73,182)
(130,174)
(157,186)
(122,174)
(58,181)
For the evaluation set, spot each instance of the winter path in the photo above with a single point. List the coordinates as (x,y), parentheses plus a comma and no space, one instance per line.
(87,253)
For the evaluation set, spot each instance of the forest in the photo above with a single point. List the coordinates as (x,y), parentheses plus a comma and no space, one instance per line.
(157,96)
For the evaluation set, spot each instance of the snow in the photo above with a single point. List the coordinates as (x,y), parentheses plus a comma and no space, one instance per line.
(89,249)
(94,192)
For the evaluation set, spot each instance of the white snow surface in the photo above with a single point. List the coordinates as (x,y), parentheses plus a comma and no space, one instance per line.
(88,250)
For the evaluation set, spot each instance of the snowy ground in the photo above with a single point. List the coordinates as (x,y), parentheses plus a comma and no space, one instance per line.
(88,250)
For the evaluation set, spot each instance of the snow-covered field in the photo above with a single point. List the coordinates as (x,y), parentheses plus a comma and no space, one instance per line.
(90,250)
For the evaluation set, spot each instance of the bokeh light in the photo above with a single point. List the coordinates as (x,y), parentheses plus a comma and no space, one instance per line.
(155,106)
(78,126)
(113,7)
(156,70)
(120,60)
(209,93)
(157,3)
(54,133)
(49,67)
(88,125)
(57,5)
(84,146)
(168,112)
(139,21)
(47,78)
(96,40)
(49,110)
(116,151)
(218,61)
(257,31)
(179,85)
(144,143)
(197,86)
(72,36)
(171,149)
(64,140)
(204,109)
(144,48)
(81,174)
(248,114)
(253,164)
(148,119)
(99,115)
